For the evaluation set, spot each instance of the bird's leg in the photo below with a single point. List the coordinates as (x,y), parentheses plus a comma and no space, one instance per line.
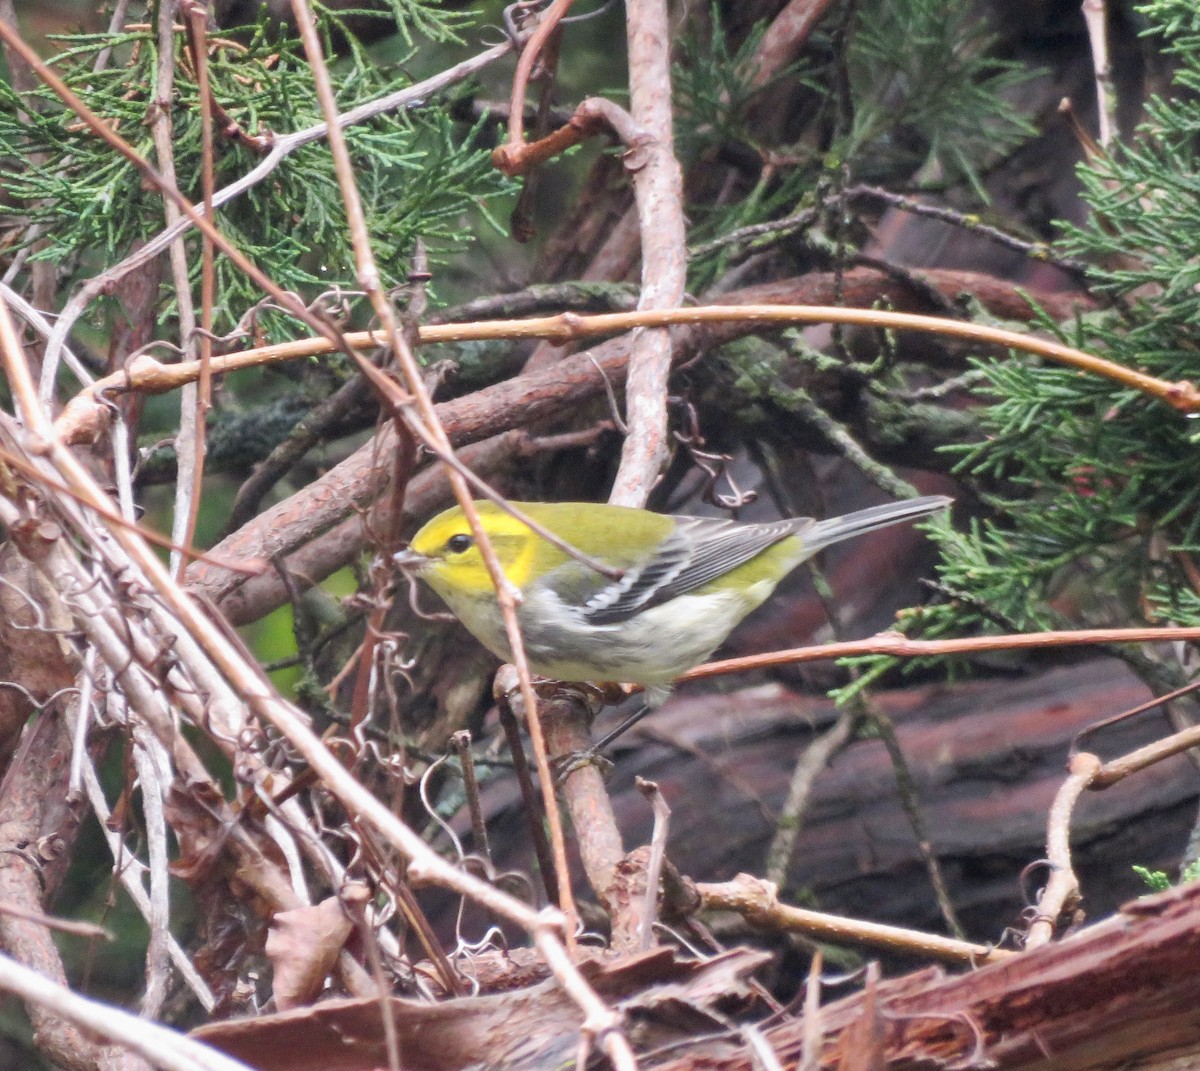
(566,764)
(592,697)
(621,729)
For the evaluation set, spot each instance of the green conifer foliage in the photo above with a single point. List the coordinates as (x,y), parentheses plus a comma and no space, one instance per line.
(1092,488)
(417,172)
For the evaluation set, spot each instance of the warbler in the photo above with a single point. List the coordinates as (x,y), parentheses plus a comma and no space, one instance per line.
(676,589)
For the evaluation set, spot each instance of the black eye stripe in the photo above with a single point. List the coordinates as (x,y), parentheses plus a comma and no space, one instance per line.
(459,543)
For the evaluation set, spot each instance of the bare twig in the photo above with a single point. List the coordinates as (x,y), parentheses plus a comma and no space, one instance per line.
(893,643)
(41,325)
(1034,250)
(163,1048)
(195,13)
(533,808)
(83,413)
(461,742)
(1095,15)
(775,228)
(154,776)
(810,1060)
(73,927)
(1062,888)
(757,901)
(658,195)
(658,855)
(186,440)
(815,758)
(549,20)
(1118,769)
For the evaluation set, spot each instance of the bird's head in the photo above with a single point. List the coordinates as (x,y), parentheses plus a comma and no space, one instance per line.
(444,553)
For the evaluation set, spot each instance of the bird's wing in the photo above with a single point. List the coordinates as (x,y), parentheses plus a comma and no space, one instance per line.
(698,550)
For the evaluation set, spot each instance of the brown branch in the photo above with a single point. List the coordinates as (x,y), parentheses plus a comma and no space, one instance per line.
(657,856)
(757,901)
(1062,889)
(79,421)
(84,416)
(590,118)
(893,643)
(658,197)
(196,14)
(35,840)
(601,851)
(186,436)
(1118,769)
(785,37)
(550,19)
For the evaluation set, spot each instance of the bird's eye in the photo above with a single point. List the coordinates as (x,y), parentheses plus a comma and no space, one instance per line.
(458,543)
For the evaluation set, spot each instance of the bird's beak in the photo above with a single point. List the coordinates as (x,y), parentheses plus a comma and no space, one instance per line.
(409,559)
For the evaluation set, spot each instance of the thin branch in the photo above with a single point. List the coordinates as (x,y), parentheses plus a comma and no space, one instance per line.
(776,228)
(893,643)
(34,318)
(195,13)
(548,23)
(82,415)
(163,1048)
(757,901)
(1062,889)
(1042,251)
(154,775)
(461,743)
(162,131)
(1095,16)
(1118,769)
(658,196)
(658,855)
(815,758)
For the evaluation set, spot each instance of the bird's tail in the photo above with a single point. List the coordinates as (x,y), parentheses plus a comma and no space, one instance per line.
(834,530)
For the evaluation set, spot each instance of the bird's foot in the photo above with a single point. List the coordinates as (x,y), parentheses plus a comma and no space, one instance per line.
(565,765)
(592,697)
